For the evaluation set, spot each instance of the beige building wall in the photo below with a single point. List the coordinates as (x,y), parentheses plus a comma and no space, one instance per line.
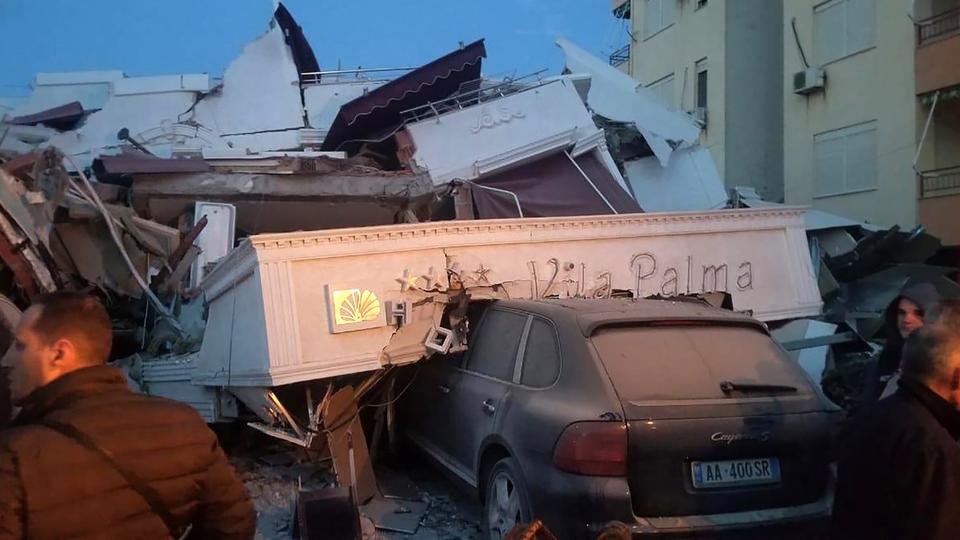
(876,84)
(738,43)
(695,35)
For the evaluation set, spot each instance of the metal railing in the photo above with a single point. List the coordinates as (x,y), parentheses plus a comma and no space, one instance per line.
(473,93)
(939,26)
(337,76)
(940,182)
(620,56)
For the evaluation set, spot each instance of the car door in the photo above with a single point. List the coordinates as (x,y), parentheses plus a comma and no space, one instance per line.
(482,388)
(427,406)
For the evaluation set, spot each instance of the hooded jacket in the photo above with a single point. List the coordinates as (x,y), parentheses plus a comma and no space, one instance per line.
(52,487)
(887,362)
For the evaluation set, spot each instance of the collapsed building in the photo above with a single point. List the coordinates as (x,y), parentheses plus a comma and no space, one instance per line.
(274,244)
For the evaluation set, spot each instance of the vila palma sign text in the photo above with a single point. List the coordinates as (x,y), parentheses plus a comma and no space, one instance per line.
(691,278)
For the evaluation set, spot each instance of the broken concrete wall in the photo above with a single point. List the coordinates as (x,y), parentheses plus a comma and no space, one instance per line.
(261,92)
(139,113)
(689,182)
(323,101)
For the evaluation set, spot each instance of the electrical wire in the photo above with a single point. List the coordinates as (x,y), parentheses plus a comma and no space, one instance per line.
(162,309)
(354,416)
(796,36)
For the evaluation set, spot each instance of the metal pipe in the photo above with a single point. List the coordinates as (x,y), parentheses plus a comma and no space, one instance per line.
(123,252)
(358,70)
(923,137)
(589,181)
(498,190)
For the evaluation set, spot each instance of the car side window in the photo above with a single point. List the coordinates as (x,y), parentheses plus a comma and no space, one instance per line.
(541,359)
(494,350)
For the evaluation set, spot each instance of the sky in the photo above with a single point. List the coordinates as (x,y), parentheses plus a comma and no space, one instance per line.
(157,37)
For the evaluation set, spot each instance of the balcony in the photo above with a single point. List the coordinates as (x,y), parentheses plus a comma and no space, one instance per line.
(620,56)
(938,47)
(940,203)
(620,8)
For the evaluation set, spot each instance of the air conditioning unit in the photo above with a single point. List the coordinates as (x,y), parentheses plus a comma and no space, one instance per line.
(808,81)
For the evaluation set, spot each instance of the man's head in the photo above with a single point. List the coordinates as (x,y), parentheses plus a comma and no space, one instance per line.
(931,355)
(60,333)
(909,317)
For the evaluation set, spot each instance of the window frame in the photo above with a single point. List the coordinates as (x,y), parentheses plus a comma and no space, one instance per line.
(843,133)
(701,66)
(521,345)
(661,26)
(653,87)
(847,53)
(521,359)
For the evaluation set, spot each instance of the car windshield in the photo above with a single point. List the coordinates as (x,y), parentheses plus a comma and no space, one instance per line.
(696,362)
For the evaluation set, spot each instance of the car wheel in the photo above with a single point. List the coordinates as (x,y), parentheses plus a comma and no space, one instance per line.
(505,505)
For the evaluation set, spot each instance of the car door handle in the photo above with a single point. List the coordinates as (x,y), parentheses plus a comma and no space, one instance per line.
(444,389)
(488,407)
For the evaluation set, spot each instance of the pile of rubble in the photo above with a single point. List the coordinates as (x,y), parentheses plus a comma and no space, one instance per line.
(140,188)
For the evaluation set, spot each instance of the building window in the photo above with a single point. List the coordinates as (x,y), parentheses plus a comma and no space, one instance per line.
(701,4)
(701,85)
(657,15)
(663,89)
(843,27)
(845,160)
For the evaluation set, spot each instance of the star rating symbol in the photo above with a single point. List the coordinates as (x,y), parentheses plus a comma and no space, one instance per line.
(481,273)
(432,278)
(407,281)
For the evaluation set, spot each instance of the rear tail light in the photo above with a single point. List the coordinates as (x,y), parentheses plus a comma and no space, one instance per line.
(592,449)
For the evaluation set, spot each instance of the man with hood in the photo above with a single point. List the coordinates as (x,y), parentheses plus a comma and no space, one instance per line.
(903,316)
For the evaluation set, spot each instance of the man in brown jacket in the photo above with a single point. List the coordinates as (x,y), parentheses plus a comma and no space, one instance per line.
(87,458)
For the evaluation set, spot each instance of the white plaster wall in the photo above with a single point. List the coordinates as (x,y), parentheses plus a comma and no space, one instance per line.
(91,88)
(235,338)
(696,34)
(876,84)
(323,101)
(138,113)
(260,92)
(450,145)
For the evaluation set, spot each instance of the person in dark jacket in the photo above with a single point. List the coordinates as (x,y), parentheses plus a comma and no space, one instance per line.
(899,470)
(54,486)
(903,316)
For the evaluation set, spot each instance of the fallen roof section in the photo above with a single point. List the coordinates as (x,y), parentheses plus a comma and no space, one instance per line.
(302,52)
(378,112)
(689,182)
(616,96)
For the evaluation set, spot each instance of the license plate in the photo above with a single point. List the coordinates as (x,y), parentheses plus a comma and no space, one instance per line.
(737,472)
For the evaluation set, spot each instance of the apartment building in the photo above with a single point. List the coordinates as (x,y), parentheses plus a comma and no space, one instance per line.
(937,85)
(721,61)
(850,110)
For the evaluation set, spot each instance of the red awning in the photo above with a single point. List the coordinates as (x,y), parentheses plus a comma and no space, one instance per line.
(62,117)
(378,112)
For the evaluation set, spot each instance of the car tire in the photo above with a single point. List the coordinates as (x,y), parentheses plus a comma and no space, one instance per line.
(505,503)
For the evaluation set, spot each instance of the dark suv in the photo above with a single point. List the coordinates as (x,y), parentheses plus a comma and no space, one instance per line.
(672,416)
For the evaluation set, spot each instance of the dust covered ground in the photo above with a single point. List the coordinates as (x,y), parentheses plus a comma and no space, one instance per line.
(273,472)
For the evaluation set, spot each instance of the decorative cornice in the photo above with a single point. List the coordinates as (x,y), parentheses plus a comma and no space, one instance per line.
(588,143)
(525,152)
(459,231)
